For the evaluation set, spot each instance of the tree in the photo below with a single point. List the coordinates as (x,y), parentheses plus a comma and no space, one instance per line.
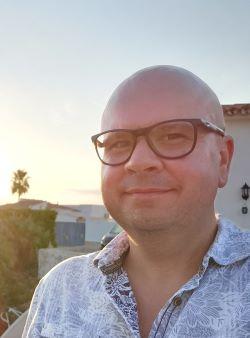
(20,184)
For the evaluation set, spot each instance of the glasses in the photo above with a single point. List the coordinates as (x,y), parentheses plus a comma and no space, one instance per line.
(170,139)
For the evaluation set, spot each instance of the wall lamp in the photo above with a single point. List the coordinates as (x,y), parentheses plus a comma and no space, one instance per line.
(245,195)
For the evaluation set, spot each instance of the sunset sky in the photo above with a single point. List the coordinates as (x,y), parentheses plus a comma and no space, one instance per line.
(60,61)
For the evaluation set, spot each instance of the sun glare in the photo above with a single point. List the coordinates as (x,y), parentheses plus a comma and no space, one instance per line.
(5,176)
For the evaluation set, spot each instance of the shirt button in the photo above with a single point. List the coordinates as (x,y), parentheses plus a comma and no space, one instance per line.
(201,269)
(177,301)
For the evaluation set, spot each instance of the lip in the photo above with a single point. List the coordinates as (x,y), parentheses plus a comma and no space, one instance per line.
(145,191)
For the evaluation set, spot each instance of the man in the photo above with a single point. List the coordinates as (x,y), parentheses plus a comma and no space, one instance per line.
(177,270)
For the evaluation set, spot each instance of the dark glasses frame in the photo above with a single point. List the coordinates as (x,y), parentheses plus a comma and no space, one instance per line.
(145,132)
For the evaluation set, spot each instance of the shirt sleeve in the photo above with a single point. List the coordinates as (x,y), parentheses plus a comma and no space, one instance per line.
(35,319)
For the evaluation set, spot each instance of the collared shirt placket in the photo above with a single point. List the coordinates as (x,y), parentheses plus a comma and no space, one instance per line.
(166,318)
(119,290)
(121,294)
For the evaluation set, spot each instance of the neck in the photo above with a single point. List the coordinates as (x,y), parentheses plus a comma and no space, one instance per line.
(158,254)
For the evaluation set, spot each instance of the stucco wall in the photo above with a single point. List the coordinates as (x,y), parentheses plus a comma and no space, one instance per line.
(229,201)
(96,228)
(91,210)
(67,215)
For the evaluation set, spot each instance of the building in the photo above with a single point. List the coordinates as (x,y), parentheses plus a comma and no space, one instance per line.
(97,221)
(75,224)
(229,201)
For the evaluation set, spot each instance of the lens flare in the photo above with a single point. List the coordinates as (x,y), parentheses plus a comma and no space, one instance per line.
(5,176)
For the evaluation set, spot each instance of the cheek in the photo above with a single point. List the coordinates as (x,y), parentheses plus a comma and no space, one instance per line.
(199,172)
(104,178)
(109,182)
(203,176)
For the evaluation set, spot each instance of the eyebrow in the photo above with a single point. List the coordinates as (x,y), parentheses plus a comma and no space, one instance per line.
(204,122)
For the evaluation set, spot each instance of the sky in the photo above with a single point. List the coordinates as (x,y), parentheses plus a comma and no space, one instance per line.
(61,60)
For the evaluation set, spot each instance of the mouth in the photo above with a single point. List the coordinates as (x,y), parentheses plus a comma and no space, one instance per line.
(146,191)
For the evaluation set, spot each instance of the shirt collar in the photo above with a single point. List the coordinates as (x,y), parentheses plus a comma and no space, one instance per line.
(230,245)
(110,258)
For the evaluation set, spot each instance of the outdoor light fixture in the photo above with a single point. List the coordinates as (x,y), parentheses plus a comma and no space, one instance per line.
(245,192)
(245,195)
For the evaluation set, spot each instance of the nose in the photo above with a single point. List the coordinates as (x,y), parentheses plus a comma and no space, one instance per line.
(143,158)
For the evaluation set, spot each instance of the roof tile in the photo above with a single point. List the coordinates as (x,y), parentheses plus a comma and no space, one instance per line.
(238,109)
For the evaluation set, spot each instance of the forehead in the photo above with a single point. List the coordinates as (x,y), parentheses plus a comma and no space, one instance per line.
(138,103)
(141,111)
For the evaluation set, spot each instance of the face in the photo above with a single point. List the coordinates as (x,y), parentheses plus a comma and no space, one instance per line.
(149,193)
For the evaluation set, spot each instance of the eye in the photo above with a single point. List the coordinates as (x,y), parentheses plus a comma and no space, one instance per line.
(172,137)
(175,136)
(115,141)
(117,145)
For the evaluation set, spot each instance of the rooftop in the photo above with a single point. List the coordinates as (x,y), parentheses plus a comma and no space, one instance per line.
(238,109)
(27,203)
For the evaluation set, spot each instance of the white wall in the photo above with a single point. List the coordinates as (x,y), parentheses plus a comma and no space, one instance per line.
(91,210)
(229,201)
(96,228)
(64,215)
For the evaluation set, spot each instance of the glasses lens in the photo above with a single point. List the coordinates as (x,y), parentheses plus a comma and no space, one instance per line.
(115,147)
(173,139)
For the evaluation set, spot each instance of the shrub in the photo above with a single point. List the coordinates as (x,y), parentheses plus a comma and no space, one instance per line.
(22,233)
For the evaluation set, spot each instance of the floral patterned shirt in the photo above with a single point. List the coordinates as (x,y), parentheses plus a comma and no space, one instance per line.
(90,295)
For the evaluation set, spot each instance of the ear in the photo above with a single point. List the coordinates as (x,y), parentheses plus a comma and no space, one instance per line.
(226,154)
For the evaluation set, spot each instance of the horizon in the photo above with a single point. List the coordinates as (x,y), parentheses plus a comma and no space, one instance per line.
(59,204)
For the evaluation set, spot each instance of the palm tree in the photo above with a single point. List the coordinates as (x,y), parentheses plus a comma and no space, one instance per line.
(20,184)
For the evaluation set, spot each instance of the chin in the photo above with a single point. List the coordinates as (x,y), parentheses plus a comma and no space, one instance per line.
(142,221)
(143,215)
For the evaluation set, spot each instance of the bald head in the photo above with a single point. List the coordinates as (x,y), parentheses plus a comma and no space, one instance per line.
(173,90)
(146,99)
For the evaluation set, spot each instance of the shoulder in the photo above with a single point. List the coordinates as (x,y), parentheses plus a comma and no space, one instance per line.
(71,269)
(82,262)
(75,273)
(231,244)
(64,287)
(67,280)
